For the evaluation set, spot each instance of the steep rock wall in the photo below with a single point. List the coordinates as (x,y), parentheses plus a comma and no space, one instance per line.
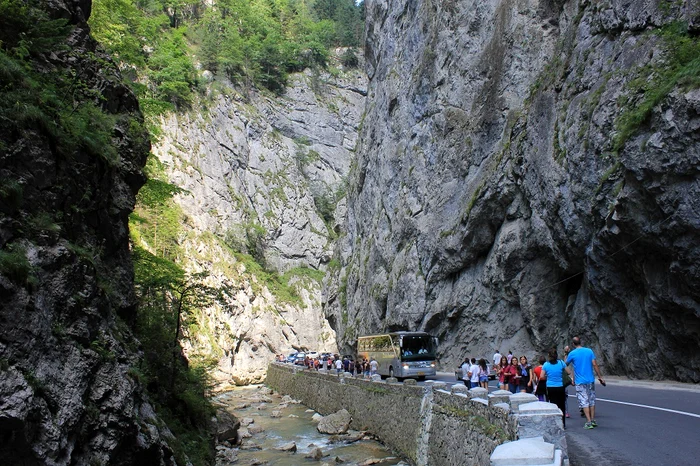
(66,282)
(528,171)
(265,175)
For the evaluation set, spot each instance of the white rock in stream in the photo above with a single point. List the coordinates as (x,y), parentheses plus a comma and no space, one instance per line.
(291,446)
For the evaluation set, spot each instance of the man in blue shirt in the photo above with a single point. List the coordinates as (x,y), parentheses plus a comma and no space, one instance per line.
(585,370)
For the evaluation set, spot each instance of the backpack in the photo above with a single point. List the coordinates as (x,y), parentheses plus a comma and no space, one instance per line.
(565,377)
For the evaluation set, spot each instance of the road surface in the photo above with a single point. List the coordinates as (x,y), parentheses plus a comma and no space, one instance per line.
(638,423)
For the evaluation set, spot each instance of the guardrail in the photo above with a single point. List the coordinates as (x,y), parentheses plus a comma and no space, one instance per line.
(435,424)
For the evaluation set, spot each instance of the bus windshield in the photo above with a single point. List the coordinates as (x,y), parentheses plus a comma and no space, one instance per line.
(418,347)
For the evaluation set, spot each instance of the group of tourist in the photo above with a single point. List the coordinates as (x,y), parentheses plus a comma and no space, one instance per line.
(514,374)
(550,378)
(475,373)
(364,367)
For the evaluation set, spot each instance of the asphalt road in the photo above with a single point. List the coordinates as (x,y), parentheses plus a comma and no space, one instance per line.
(639,423)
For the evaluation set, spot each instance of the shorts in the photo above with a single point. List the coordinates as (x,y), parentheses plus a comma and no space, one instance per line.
(483,378)
(585,393)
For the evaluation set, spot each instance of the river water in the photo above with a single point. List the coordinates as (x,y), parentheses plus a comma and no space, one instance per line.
(294,425)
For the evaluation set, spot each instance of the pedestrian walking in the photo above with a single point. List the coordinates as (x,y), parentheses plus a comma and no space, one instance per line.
(510,356)
(483,374)
(567,350)
(552,373)
(465,372)
(540,383)
(506,375)
(338,366)
(474,374)
(585,369)
(525,375)
(373,366)
(497,358)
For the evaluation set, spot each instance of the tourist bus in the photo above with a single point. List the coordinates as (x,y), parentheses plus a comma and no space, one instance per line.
(400,354)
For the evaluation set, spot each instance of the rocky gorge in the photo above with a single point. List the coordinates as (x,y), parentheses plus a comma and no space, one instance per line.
(266,176)
(502,174)
(68,394)
(528,171)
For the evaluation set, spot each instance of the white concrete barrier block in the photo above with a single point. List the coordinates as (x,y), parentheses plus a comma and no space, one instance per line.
(458,388)
(539,407)
(531,451)
(520,399)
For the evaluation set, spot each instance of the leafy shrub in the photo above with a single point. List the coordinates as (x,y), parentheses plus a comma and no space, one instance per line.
(14,263)
(349,59)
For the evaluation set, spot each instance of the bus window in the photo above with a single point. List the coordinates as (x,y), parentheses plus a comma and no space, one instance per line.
(417,347)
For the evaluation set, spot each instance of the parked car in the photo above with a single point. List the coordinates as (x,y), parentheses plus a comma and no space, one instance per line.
(299,359)
(325,356)
(291,358)
(492,373)
(313,354)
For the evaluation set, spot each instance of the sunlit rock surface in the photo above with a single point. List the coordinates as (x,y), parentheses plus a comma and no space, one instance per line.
(508,194)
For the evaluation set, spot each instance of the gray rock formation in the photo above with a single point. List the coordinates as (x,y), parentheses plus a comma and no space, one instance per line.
(336,423)
(227,426)
(264,176)
(528,171)
(67,391)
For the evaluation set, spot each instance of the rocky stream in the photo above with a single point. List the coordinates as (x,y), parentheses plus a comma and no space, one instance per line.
(278,430)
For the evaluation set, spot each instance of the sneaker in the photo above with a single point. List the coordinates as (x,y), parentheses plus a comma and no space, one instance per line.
(588,425)
(594,424)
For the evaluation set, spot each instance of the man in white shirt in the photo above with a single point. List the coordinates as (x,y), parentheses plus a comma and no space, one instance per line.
(465,372)
(497,358)
(373,367)
(338,365)
(474,371)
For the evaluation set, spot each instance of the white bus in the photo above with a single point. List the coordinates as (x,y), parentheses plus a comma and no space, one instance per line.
(400,354)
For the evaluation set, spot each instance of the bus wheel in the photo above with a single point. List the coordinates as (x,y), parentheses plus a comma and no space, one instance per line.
(421,378)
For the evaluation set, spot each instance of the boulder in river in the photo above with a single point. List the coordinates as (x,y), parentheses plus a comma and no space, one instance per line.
(246,421)
(316,417)
(256,429)
(315,454)
(337,423)
(350,437)
(291,446)
(243,433)
(276,413)
(226,426)
(250,446)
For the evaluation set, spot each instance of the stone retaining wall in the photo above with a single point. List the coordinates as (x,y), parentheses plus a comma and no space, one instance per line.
(434,424)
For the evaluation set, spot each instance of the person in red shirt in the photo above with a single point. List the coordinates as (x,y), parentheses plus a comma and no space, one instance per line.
(506,375)
(540,385)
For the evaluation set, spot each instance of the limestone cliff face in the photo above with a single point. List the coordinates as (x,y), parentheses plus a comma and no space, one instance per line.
(528,171)
(66,392)
(264,176)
